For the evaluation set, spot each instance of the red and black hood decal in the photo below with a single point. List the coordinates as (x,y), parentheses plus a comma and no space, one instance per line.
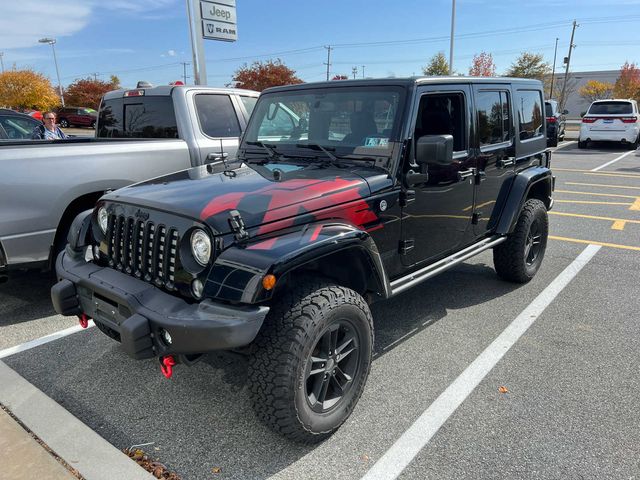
(268,197)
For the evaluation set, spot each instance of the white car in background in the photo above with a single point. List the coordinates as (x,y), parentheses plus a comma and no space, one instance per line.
(615,120)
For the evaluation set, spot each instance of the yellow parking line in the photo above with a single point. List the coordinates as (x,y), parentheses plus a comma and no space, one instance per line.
(479,206)
(597,194)
(593,242)
(636,205)
(604,174)
(601,185)
(587,202)
(618,223)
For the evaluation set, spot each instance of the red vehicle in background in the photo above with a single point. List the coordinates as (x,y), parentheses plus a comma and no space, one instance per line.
(37,114)
(77,116)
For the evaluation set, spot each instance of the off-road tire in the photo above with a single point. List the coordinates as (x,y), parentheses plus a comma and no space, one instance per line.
(281,370)
(520,256)
(64,123)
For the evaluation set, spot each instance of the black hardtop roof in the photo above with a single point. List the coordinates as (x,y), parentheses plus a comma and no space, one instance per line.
(406,82)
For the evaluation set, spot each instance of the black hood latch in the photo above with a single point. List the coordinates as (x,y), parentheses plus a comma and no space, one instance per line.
(237,226)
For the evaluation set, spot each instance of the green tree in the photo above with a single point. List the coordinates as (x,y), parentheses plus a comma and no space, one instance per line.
(595,90)
(438,65)
(261,75)
(24,89)
(88,92)
(529,65)
(628,83)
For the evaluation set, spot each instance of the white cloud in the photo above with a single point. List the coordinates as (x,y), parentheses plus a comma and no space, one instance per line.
(171,53)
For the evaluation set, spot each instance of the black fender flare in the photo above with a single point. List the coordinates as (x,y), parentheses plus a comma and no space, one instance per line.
(536,182)
(236,274)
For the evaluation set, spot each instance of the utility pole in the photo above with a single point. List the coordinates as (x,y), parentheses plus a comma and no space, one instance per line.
(553,73)
(362,71)
(184,71)
(563,100)
(328,64)
(354,70)
(453,24)
(1,62)
(95,76)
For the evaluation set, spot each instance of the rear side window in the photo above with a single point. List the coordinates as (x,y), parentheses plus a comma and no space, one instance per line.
(249,103)
(217,116)
(529,107)
(493,117)
(137,117)
(548,109)
(611,108)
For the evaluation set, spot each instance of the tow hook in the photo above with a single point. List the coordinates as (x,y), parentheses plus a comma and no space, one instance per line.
(83,318)
(166,365)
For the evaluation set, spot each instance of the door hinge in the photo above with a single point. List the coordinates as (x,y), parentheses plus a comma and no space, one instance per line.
(406,246)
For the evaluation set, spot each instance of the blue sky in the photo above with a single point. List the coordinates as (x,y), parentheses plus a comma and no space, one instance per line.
(147,39)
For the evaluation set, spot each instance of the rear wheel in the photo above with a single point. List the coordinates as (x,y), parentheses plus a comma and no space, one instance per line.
(519,258)
(312,360)
(64,123)
(582,144)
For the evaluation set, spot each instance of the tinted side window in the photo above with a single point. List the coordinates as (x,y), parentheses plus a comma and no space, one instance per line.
(17,128)
(548,109)
(529,106)
(490,122)
(249,103)
(138,117)
(217,116)
(443,114)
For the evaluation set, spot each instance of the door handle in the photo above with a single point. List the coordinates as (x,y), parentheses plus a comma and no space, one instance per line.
(213,156)
(464,174)
(506,162)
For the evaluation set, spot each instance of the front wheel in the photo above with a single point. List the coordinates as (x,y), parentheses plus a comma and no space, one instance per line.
(312,360)
(519,258)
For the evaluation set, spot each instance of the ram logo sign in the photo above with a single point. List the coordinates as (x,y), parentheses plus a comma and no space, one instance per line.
(219,20)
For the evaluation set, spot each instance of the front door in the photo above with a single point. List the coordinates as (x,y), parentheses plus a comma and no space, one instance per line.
(438,211)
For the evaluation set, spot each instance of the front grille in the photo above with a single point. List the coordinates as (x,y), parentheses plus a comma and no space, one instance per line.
(143,249)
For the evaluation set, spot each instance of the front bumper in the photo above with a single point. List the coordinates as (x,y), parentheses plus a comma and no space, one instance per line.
(137,313)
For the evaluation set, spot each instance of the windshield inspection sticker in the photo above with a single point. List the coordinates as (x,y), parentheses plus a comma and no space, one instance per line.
(376,142)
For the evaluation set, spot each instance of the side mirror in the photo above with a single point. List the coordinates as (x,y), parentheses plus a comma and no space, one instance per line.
(435,149)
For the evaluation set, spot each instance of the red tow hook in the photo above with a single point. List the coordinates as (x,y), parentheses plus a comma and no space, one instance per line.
(83,318)
(166,365)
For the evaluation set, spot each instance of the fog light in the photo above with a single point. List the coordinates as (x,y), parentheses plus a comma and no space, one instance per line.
(197,288)
(166,337)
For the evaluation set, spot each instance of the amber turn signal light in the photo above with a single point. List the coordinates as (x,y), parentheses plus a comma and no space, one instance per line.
(268,282)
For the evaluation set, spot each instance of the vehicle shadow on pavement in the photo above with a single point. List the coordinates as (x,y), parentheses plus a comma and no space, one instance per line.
(26,296)
(202,418)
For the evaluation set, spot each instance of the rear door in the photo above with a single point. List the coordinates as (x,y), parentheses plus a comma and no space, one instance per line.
(218,126)
(496,150)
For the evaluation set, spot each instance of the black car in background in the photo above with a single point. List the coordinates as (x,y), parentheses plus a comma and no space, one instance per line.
(555,122)
(15,125)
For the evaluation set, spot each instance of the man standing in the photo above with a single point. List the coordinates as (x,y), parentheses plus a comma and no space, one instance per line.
(49,130)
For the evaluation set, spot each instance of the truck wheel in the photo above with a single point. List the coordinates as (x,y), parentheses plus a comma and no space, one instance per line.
(311,361)
(519,258)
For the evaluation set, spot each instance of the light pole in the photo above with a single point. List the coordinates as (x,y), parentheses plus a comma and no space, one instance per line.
(453,24)
(52,41)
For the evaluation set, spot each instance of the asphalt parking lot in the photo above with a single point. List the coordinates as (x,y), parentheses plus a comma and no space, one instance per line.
(562,402)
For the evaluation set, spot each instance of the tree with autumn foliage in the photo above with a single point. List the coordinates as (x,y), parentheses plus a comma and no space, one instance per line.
(25,89)
(482,65)
(628,83)
(437,66)
(594,90)
(87,92)
(261,75)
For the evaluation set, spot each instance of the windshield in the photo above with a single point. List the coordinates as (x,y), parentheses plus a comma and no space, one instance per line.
(346,119)
(610,108)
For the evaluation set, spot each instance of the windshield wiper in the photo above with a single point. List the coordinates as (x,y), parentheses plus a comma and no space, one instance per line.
(270,149)
(318,147)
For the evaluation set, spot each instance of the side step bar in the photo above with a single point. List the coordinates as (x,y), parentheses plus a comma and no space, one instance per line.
(401,284)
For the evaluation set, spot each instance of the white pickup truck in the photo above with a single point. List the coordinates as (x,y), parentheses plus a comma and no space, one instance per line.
(141,134)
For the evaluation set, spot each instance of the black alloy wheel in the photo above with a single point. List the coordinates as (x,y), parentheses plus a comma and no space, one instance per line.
(533,243)
(332,366)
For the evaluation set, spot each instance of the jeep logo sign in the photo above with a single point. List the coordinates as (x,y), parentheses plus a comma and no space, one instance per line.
(219,20)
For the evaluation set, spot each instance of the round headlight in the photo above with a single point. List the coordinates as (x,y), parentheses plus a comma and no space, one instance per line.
(201,246)
(103,219)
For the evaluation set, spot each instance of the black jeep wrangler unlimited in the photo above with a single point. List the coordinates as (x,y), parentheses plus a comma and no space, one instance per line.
(344,193)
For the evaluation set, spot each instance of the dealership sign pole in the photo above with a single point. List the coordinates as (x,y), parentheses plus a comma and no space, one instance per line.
(210,20)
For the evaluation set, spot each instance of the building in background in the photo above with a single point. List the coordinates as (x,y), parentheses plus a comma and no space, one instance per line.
(576,105)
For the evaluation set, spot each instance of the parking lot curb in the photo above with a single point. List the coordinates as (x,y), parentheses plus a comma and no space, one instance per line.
(91,455)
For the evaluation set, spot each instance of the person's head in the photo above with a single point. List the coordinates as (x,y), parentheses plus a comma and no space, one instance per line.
(49,119)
